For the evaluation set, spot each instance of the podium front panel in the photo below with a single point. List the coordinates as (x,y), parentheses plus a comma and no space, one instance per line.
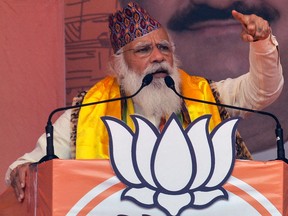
(83,187)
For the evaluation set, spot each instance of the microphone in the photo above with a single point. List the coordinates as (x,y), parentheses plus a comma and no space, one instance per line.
(278,131)
(49,127)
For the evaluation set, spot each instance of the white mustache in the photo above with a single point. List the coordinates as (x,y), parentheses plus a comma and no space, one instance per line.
(158,67)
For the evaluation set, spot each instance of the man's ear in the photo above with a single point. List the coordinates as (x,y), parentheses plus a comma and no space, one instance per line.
(111,62)
(114,65)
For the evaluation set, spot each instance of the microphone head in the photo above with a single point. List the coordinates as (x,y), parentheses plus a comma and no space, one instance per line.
(169,82)
(147,80)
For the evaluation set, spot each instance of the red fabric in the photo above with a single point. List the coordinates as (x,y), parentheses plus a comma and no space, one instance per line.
(32,73)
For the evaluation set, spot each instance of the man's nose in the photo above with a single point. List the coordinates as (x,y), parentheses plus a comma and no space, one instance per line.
(156,55)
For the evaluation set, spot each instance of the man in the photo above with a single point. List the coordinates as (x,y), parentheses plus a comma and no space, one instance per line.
(142,46)
(207,40)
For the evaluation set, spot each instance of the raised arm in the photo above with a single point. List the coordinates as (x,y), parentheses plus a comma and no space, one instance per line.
(262,85)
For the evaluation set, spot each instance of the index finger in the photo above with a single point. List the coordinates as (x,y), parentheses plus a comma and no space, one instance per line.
(22,175)
(239,16)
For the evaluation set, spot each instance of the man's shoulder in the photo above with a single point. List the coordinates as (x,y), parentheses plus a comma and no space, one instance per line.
(101,85)
(78,98)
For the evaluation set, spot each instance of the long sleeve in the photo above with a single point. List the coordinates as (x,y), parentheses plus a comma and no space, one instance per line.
(261,86)
(61,144)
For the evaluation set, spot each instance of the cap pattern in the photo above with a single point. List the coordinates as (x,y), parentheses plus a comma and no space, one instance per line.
(130,23)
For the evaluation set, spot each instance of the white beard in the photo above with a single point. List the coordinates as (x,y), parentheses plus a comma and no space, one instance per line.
(155,100)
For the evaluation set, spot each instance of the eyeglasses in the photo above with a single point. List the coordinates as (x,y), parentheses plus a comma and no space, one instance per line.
(146,50)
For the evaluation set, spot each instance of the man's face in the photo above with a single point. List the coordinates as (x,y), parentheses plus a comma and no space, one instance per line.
(145,51)
(150,54)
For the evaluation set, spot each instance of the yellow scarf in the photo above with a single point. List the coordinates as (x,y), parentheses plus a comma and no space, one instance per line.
(92,137)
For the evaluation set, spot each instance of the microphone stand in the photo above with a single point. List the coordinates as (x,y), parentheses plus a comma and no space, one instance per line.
(278,131)
(49,127)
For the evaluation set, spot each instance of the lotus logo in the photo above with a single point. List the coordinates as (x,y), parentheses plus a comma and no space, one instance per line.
(175,169)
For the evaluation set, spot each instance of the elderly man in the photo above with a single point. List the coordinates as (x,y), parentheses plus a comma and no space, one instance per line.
(142,46)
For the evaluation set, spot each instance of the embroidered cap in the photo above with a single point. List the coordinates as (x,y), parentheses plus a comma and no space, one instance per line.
(130,23)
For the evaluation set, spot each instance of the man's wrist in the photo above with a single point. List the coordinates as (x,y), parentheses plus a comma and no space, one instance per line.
(265,46)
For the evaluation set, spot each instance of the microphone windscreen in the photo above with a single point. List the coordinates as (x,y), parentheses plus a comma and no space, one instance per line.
(147,80)
(169,82)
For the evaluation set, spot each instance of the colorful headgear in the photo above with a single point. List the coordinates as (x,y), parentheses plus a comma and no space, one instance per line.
(130,23)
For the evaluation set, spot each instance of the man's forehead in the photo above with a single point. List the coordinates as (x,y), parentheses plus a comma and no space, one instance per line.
(156,36)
